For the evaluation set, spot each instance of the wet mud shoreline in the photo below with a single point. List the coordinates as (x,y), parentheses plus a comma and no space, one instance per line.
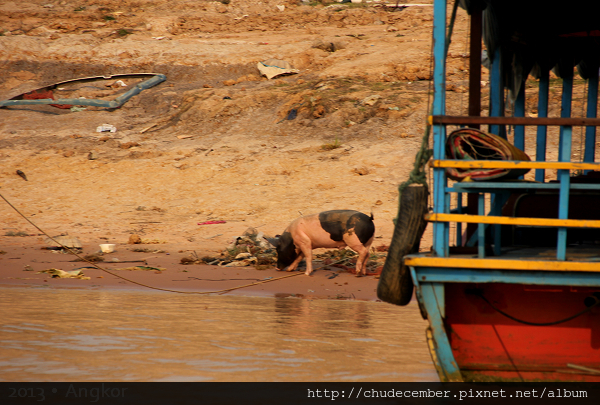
(160,267)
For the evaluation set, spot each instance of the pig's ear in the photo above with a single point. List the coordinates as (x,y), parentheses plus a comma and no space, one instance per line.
(273,241)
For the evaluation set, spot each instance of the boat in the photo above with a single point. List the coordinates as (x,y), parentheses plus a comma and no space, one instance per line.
(511,285)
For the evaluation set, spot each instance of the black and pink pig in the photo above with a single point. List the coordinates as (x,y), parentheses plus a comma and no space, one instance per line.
(329,229)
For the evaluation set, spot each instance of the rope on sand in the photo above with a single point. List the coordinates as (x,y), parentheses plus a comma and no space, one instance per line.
(146,285)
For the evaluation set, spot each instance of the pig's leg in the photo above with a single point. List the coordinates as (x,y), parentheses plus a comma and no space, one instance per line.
(309,267)
(361,263)
(367,249)
(303,242)
(296,262)
(363,256)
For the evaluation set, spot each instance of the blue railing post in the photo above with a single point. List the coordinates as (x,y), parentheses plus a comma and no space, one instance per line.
(459,210)
(496,93)
(440,229)
(520,112)
(481,227)
(564,155)
(495,90)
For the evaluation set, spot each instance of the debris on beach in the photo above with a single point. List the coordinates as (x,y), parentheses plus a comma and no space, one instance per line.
(134,239)
(345,259)
(144,268)
(23,176)
(146,250)
(47,95)
(18,233)
(63,241)
(106,128)
(249,249)
(242,261)
(252,249)
(57,273)
(92,257)
(212,222)
(272,68)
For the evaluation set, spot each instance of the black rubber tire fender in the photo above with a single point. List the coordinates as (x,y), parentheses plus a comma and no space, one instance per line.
(395,283)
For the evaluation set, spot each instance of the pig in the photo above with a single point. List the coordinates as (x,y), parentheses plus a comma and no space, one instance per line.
(329,229)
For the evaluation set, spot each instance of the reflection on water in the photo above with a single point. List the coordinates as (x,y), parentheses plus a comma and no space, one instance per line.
(82,335)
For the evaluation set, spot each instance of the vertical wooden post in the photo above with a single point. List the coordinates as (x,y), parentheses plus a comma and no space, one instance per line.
(475,64)
(542,130)
(592,107)
(474,94)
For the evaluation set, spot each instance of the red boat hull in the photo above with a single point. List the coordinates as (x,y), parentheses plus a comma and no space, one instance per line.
(489,346)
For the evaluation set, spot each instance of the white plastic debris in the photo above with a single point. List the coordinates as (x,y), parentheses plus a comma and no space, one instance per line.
(57,273)
(106,128)
(275,67)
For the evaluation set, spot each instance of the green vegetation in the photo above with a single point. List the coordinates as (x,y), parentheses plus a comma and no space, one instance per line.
(332,145)
(19,233)
(123,32)
(357,5)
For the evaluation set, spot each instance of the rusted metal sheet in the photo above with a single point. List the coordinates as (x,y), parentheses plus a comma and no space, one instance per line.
(45,95)
(41,94)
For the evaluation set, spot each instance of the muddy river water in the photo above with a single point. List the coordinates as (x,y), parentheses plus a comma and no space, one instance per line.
(125,335)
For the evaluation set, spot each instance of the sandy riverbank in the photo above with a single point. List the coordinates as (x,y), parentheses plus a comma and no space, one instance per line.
(23,258)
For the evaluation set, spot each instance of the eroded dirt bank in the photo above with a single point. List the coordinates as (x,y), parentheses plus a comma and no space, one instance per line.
(213,142)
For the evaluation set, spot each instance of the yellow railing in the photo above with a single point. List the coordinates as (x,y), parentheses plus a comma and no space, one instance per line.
(501,264)
(480,219)
(512,164)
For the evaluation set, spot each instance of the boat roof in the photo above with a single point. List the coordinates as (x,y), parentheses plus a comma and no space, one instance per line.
(535,35)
